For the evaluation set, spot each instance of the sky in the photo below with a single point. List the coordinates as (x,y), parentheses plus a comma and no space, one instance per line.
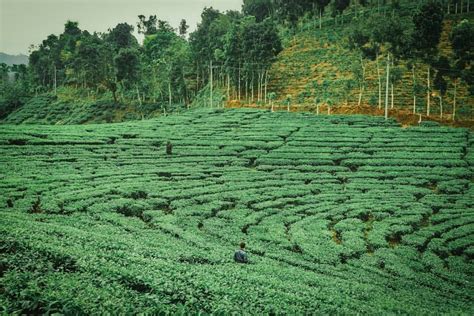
(26,22)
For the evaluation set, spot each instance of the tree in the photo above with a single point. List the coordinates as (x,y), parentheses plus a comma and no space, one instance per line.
(14,92)
(122,63)
(208,37)
(428,24)
(367,38)
(233,52)
(272,97)
(370,35)
(121,36)
(358,40)
(4,70)
(260,45)
(462,40)
(167,59)
(260,9)
(288,101)
(127,64)
(87,57)
(289,11)
(183,28)
(147,27)
(395,77)
(70,34)
(321,6)
(338,7)
(443,70)
(107,69)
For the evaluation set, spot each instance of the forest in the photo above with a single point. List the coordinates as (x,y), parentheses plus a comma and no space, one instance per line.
(230,54)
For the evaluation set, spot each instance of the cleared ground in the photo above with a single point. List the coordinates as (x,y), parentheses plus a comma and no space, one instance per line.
(341,215)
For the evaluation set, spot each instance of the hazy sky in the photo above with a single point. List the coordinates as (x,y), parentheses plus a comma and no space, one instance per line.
(25,22)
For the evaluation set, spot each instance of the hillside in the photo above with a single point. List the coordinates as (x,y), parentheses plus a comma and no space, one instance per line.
(316,68)
(73,106)
(13,59)
(341,215)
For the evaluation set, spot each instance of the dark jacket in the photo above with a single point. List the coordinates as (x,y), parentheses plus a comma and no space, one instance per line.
(241,256)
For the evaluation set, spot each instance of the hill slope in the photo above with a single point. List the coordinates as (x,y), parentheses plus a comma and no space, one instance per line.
(13,59)
(316,67)
(341,215)
(71,106)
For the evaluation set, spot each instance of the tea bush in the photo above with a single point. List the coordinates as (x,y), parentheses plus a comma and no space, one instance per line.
(341,215)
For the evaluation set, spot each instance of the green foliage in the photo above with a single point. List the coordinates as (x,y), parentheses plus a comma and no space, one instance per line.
(203,98)
(260,9)
(428,26)
(99,219)
(241,47)
(128,63)
(462,40)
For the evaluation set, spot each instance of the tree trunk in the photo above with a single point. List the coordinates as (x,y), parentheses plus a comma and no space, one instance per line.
(317,109)
(454,103)
(197,82)
(239,82)
(258,85)
(55,82)
(266,84)
(380,81)
(414,89)
(361,85)
(210,83)
(170,97)
(361,88)
(392,103)
(320,18)
(428,94)
(246,88)
(228,87)
(441,107)
(138,95)
(252,86)
(386,88)
(271,102)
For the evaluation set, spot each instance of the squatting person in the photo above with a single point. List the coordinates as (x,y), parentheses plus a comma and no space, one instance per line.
(240,255)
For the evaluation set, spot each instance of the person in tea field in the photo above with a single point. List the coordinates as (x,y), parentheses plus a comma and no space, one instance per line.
(169,148)
(240,255)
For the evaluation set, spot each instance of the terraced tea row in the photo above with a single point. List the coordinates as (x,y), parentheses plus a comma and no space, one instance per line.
(340,214)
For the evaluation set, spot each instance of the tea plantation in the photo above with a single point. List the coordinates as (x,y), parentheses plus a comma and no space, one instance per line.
(346,215)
